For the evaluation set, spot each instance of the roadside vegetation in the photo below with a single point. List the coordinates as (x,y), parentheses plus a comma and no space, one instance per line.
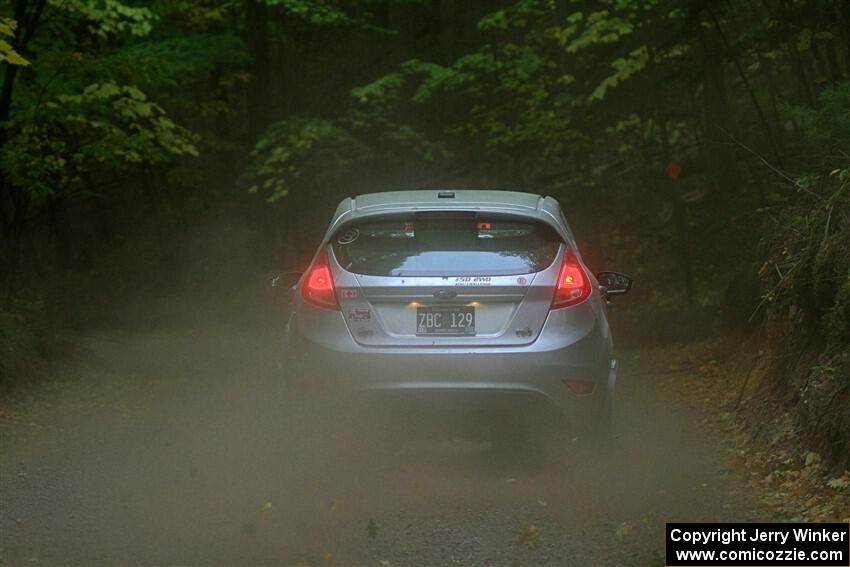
(172,149)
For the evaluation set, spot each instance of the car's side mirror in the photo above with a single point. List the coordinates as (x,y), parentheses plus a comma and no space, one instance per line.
(614,283)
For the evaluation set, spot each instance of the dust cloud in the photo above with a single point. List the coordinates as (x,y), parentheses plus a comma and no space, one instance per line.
(185,442)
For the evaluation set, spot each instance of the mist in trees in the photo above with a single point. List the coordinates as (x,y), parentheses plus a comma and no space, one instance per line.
(703,146)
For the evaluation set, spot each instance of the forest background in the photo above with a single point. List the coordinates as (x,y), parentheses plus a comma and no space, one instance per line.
(156,153)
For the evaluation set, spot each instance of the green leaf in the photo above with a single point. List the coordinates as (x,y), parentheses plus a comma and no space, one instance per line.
(8,54)
(804,40)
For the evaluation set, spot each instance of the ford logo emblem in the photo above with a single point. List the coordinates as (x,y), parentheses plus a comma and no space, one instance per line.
(445,294)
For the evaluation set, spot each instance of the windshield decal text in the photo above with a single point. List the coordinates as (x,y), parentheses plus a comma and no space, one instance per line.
(473,280)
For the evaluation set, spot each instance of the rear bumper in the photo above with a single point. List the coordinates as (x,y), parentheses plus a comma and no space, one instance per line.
(530,381)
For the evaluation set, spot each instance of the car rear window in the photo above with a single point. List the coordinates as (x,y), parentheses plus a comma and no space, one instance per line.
(446,244)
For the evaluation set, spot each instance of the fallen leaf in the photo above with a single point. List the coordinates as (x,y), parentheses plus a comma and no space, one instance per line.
(529,535)
(625,530)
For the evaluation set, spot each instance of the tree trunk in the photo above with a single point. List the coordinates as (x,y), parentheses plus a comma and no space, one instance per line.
(13,206)
(679,217)
(257,41)
(800,72)
(842,7)
(720,157)
(768,134)
(10,72)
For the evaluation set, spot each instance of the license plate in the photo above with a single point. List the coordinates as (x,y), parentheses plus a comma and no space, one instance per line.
(445,320)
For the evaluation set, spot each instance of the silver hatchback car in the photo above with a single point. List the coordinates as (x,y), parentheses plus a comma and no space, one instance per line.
(471,297)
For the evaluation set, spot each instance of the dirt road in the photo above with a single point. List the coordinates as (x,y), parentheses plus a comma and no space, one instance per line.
(179,447)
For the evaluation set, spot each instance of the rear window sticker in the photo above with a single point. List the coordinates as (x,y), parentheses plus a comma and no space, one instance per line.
(348,236)
(473,280)
(484,230)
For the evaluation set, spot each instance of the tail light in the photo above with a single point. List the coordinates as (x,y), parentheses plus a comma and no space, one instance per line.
(318,287)
(573,284)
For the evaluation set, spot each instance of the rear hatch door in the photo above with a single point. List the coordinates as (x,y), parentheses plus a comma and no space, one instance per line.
(445,279)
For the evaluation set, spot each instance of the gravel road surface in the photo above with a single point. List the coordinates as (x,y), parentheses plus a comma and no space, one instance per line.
(181,447)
